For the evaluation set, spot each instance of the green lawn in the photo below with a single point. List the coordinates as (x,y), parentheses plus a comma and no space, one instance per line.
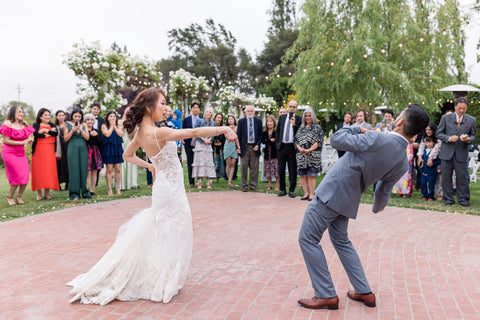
(60,198)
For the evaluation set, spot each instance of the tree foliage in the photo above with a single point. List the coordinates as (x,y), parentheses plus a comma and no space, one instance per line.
(207,50)
(361,54)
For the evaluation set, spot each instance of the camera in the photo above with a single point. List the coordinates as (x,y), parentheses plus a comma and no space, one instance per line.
(77,123)
(290,115)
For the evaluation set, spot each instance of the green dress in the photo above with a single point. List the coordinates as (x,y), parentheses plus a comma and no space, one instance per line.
(77,159)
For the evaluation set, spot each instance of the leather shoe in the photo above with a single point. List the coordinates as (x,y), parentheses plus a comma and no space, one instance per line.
(304,198)
(291,194)
(367,299)
(317,303)
(245,189)
(466,205)
(282,193)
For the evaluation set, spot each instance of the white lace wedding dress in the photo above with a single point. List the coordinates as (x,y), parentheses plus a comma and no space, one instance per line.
(151,255)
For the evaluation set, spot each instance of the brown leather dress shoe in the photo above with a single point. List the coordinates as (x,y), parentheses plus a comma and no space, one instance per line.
(367,299)
(317,303)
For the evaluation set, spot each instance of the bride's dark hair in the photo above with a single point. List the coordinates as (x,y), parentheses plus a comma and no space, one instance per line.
(138,108)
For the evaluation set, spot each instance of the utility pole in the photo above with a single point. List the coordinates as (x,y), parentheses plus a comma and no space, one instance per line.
(19,89)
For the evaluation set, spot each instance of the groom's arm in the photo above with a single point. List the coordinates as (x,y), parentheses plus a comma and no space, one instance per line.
(383,190)
(353,139)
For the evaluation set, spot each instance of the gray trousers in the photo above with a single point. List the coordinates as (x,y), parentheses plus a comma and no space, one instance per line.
(461,172)
(249,160)
(317,219)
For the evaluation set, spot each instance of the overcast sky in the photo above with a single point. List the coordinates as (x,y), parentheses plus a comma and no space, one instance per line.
(35,34)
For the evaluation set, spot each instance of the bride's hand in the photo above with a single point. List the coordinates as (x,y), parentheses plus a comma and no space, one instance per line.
(230,135)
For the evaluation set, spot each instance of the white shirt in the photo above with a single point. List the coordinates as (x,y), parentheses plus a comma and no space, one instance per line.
(288,139)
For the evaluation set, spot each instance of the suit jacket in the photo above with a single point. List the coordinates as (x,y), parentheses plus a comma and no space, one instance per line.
(242,133)
(188,124)
(281,128)
(100,122)
(447,128)
(373,156)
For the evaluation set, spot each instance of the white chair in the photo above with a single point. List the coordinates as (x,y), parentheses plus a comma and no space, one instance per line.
(329,157)
(474,166)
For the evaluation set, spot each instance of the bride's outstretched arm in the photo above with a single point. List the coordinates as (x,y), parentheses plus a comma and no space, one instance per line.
(168,134)
(129,155)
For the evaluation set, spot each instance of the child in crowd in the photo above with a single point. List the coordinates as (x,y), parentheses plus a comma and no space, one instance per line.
(428,173)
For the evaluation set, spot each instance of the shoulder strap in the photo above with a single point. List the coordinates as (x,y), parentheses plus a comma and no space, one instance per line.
(155,134)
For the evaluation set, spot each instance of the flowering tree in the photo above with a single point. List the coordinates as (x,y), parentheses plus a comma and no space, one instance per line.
(231,102)
(103,72)
(184,88)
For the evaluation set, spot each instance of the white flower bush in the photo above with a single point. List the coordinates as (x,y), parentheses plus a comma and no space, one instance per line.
(231,102)
(103,72)
(185,87)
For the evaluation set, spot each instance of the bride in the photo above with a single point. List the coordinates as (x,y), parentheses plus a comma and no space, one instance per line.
(151,254)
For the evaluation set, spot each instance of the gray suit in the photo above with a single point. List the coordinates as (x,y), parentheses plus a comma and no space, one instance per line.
(371,157)
(454,155)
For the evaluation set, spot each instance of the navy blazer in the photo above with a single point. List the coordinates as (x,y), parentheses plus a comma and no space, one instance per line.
(242,133)
(187,124)
(364,164)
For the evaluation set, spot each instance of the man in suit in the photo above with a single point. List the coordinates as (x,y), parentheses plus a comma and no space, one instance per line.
(338,196)
(287,127)
(347,122)
(95,110)
(189,144)
(456,130)
(249,133)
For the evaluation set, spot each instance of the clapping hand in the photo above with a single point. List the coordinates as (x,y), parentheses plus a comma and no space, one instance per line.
(27,141)
(93,133)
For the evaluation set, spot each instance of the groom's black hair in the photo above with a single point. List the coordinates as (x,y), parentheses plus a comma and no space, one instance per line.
(415,120)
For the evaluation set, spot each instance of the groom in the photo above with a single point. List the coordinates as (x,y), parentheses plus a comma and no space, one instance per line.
(371,156)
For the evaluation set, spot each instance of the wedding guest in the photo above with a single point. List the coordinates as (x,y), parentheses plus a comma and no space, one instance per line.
(347,121)
(95,161)
(430,132)
(44,164)
(404,186)
(270,162)
(249,134)
(129,171)
(388,123)
(177,124)
(16,132)
(288,125)
(360,120)
(230,153)
(76,134)
(218,143)
(203,166)
(97,125)
(429,171)
(112,141)
(457,131)
(309,142)
(189,144)
(61,149)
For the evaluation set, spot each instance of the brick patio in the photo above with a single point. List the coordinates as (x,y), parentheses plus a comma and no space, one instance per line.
(247,264)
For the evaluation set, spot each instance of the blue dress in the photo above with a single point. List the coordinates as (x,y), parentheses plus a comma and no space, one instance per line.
(112,149)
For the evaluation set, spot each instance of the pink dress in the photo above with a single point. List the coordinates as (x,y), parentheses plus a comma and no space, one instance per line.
(14,157)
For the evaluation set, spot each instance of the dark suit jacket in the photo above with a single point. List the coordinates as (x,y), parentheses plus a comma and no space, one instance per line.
(366,163)
(187,124)
(100,122)
(242,133)
(281,127)
(447,128)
